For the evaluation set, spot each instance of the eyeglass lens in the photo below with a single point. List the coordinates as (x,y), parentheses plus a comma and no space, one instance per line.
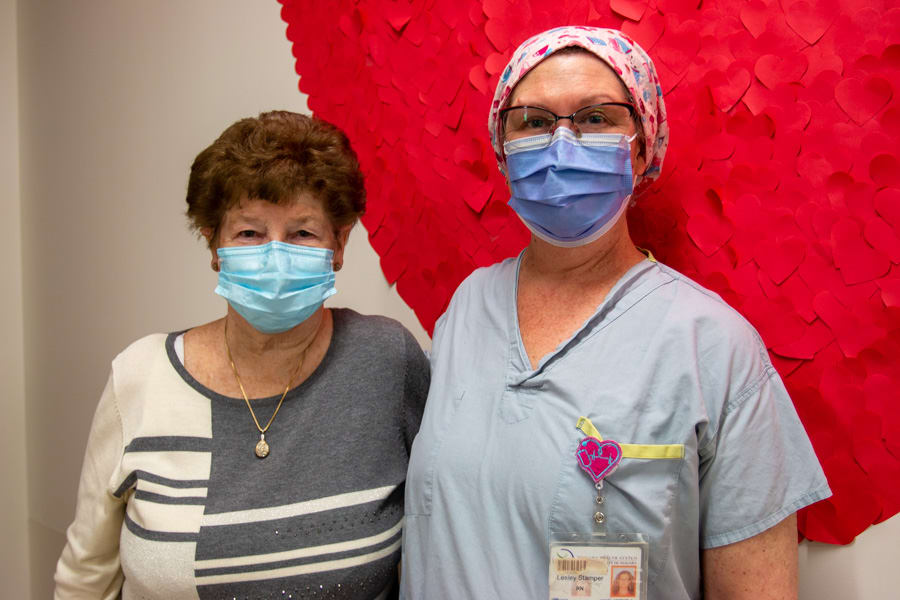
(600,118)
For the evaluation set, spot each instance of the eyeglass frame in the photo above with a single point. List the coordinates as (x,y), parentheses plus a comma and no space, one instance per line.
(632,112)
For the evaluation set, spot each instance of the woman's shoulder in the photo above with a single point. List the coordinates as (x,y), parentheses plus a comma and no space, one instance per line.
(349,318)
(486,284)
(695,300)
(374,330)
(490,274)
(146,348)
(704,316)
(145,362)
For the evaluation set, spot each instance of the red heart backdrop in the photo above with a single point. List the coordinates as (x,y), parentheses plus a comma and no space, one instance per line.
(780,190)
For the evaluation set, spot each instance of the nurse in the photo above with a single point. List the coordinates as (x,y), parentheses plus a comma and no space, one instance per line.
(590,406)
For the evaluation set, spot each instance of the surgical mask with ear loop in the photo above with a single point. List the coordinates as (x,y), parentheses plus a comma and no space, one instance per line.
(570,190)
(275,286)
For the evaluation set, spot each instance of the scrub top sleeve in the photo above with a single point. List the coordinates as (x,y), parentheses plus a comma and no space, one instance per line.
(437,336)
(418,377)
(760,466)
(89,566)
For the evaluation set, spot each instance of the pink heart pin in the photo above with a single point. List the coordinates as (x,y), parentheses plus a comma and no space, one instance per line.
(597,458)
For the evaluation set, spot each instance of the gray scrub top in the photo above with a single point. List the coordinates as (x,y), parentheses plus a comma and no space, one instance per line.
(662,361)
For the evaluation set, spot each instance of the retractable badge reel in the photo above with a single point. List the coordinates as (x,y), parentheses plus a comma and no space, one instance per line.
(596,563)
(598,459)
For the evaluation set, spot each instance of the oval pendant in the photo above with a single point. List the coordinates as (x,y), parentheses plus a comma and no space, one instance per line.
(262,448)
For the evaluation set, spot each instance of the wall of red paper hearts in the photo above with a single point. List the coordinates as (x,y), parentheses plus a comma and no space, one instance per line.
(780,191)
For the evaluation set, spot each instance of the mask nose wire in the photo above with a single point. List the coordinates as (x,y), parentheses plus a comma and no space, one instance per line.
(574,127)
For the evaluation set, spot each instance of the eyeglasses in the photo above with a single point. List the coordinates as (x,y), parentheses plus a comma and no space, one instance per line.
(607,117)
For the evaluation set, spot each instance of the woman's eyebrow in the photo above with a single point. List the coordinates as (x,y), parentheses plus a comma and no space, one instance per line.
(589,100)
(305,219)
(250,219)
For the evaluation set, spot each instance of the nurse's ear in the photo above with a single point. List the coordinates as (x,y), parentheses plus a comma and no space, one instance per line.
(639,155)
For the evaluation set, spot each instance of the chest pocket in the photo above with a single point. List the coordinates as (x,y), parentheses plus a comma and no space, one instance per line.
(638,497)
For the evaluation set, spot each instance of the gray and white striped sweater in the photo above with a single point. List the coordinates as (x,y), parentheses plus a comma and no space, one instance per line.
(174,504)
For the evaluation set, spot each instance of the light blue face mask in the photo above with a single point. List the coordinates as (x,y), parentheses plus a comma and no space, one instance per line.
(570,190)
(275,286)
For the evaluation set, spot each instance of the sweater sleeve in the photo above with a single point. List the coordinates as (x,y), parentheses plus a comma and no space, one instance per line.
(89,566)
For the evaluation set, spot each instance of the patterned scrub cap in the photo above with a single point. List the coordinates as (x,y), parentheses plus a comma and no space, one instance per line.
(621,53)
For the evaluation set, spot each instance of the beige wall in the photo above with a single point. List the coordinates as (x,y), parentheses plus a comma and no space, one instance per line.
(116,99)
(13,530)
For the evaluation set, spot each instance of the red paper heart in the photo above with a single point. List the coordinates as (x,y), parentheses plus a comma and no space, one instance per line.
(630,9)
(679,46)
(755,15)
(773,70)
(798,165)
(791,118)
(806,347)
(648,31)
(479,78)
(778,325)
(861,99)
(729,87)
(822,59)
(810,19)
(856,259)
(852,334)
(884,170)
(887,203)
(495,63)
(780,259)
(709,232)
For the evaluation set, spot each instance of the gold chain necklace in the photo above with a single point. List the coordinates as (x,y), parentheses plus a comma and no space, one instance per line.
(262,446)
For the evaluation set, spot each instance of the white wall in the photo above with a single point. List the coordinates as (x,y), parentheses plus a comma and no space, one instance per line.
(116,98)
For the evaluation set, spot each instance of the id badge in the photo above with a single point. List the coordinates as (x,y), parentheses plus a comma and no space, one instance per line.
(599,567)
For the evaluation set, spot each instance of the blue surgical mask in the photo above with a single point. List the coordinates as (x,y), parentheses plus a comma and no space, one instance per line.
(275,286)
(570,190)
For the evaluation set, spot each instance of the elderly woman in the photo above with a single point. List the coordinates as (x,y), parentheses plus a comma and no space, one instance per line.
(590,406)
(263,454)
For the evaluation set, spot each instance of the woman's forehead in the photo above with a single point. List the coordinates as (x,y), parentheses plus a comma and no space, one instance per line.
(580,75)
(300,204)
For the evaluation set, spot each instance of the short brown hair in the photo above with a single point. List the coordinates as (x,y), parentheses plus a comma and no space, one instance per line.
(275,157)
